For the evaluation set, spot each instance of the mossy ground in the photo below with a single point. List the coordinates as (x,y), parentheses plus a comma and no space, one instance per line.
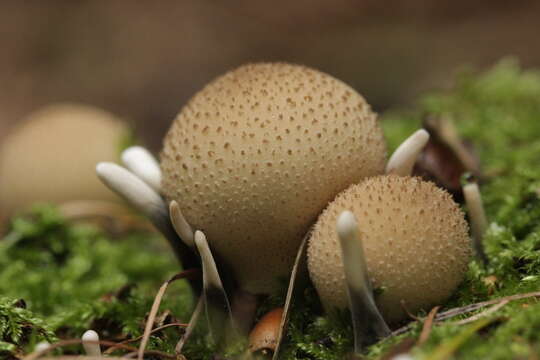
(69,275)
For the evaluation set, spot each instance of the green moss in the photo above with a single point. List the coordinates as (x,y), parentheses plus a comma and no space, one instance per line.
(20,327)
(63,270)
(69,274)
(499,112)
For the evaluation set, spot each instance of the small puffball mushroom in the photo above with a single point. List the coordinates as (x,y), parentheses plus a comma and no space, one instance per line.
(51,156)
(90,343)
(255,156)
(415,241)
(265,334)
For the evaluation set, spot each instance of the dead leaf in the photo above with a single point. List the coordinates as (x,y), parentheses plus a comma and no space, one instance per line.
(446,157)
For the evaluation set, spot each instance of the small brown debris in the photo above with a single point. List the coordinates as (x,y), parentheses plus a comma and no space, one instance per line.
(264,335)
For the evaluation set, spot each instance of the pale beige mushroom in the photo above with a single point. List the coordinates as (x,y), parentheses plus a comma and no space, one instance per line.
(415,240)
(255,156)
(51,156)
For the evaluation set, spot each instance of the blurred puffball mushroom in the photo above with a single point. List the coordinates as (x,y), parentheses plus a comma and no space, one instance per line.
(50,157)
(403,357)
(256,155)
(415,240)
(42,346)
(90,341)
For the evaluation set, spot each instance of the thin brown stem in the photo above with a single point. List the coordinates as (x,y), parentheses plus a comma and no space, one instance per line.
(37,354)
(155,307)
(468,308)
(111,349)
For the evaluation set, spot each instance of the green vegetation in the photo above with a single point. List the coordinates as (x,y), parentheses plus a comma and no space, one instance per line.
(73,277)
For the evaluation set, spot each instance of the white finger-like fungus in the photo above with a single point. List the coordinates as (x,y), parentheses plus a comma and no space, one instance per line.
(216,300)
(143,164)
(477,217)
(146,200)
(51,155)
(366,318)
(135,191)
(255,157)
(415,240)
(90,341)
(211,276)
(181,226)
(402,160)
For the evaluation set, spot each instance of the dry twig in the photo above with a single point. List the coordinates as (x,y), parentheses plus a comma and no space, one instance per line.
(485,313)
(187,274)
(112,348)
(428,325)
(468,308)
(37,354)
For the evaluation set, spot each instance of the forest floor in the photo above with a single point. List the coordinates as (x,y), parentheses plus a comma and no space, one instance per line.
(59,278)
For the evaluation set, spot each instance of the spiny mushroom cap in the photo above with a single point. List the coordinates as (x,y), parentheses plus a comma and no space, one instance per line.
(415,240)
(52,155)
(255,156)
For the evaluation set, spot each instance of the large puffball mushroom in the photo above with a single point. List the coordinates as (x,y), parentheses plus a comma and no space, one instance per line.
(51,156)
(415,241)
(255,156)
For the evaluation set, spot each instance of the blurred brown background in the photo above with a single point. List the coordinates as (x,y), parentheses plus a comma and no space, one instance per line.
(143,60)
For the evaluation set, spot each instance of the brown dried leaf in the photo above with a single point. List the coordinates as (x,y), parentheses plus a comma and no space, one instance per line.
(446,157)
